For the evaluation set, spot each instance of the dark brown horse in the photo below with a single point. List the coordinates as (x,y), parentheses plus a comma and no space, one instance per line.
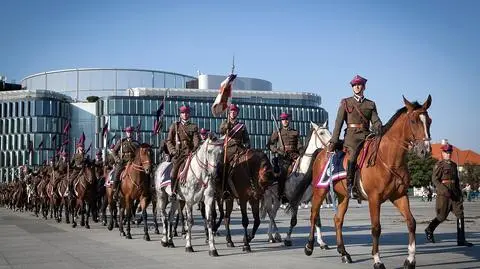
(250,176)
(386,178)
(135,185)
(83,195)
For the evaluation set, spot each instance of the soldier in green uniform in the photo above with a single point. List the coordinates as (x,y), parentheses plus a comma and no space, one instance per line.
(127,147)
(449,196)
(77,164)
(357,111)
(286,144)
(182,140)
(237,137)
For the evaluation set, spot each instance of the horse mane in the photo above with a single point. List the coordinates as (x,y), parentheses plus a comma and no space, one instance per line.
(309,137)
(397,114)
(144,146)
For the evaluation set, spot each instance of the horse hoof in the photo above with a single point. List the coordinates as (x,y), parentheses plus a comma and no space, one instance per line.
(129,236)
(230,244)
(324,246)
(74,225)
(67,221)
(409,265)
(164,244)
(271,240)
(250,238)
(82,223)
(171,244)
(87,226)
(278,238)
(59,220)
(247,249)
(347,259)
(104,223)
(146,237)
(287,243)
(206,240)
(379,265)
(189,249)
(308,251)
(123,234)
(138,221)
(213,253)
(157,231)
(110,227)
(175,234)
(116,225)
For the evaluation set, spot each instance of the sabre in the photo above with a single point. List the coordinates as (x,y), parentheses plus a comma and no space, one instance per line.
(278,131)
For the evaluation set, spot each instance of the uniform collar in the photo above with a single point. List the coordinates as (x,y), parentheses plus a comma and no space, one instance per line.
(184,122)
(359,98)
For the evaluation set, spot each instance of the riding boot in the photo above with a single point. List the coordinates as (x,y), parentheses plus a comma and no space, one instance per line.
(116,181)
(430,229)
(461,234)
(173,180)
(351,188)
(226,193)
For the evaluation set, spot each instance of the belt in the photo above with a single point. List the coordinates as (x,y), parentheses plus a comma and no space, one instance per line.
(447,181)
(357,125)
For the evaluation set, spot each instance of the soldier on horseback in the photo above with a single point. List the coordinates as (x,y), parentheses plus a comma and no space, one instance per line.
(77,163)
(125,147)
(287,145)
(237,139)
(99,159)
(357,112)
(182,140)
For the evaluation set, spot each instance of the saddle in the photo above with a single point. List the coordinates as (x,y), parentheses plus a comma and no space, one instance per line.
(183,169)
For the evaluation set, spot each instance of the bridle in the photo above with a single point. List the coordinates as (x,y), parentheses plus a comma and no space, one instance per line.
(204,165)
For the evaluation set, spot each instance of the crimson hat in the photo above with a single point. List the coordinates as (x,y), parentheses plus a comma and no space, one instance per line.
(63,153)
(203,131)
(80,145)
(234,107)
(112,146)
(284,116)
(185,109)
(99,153)
(358,80)
(447,148)
(129,129)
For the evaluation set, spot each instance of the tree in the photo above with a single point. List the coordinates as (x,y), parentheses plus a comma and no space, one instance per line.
(420,169)
(92,99)
(470,174)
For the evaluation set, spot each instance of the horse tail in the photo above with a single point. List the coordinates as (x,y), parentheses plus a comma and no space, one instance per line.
(302,185)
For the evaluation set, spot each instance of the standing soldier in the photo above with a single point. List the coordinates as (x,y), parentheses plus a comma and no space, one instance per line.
(449,196)
(127,147)
(357,111)
(182,140)
(237,138)
(204,134)
(287,146)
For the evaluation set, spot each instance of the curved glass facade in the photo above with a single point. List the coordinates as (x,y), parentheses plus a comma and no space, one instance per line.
(29,119)
(140,111)
(80,83)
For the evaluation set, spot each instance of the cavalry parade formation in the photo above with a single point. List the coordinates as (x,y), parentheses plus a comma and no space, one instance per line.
(216,170)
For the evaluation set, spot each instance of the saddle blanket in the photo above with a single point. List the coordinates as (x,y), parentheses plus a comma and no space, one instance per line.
(332,171)
(162,175)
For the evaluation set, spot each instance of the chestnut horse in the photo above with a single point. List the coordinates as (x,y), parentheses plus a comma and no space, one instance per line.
(83,196)
(386,179)
(135,185)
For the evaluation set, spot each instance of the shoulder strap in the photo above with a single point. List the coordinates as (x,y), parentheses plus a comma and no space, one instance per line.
(355,105)
(235,129)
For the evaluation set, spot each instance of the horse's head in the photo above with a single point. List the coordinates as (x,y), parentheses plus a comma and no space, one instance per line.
(417,126)
(319,137)
(143,155)
(211,150)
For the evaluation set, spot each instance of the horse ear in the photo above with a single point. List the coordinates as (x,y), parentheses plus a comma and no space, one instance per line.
(427,103)
(407,104)
(314,125)
(325,124)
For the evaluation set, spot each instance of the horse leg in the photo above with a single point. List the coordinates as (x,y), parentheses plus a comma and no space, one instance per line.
(208,209)
(374,208)
(89,207)
(82,212)
(188,237)
(338,220)
(228,212)
(154,213)
(317,200)
(103,210)
(220,218)
(245,222)
(175,225)
(256,219)
(67,210)
(164,219)
(171,219)
(201,205)
(403,205)
(144,205)
(111,209)
(293,222)
(122,216)
(183,219)
(318,227)
(128,209)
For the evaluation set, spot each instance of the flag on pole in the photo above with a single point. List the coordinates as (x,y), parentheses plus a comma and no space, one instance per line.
(30,146)
(66,130)
(221,101)
(156,127)
(137,129)
(54,138)
(89,147)
(82,139)
(105,129)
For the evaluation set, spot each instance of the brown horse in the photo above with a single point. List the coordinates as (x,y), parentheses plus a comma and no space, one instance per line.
(250,176)
(385,179)
(135,185)
(108,201)
(84,195)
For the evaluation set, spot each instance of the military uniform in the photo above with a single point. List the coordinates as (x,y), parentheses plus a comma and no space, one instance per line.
(182,140)
(449,197)
(127,146)
(288,148)
(357,112)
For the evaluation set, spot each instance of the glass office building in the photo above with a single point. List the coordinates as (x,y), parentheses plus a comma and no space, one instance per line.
(30,118)
(131,97)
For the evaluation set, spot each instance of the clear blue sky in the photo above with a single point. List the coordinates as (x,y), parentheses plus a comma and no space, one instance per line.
(414,48)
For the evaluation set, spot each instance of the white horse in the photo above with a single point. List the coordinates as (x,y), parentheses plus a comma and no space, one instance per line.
(318,139)
(195,188)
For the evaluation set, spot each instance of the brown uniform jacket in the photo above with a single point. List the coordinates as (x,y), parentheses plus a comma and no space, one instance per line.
(61,166)
(128,146)
(349,114)
(446,170)
(182,139)
(292,144)
(78,160)
(236,141)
